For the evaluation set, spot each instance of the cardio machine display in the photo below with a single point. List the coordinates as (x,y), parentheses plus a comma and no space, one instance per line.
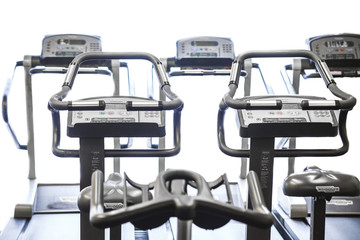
(341,50)
(290,121)
(116,121)
(205,51)
(69,45)
(336,47)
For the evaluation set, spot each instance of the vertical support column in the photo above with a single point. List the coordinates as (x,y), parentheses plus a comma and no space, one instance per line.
(29,117)
(115,233)
(91,159)
(318,211)
(184,230)
(245,141)
(296,86)
(115,69)
(262,162)
(291,160)
(162,139)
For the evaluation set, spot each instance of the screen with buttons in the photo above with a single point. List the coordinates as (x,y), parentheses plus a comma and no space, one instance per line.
(204,53)
(288,121)
(69,45)
(336,47)
(115,120)
(205,47)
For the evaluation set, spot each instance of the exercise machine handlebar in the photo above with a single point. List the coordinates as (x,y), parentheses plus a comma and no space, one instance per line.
(165,204)
(347,101)
(56,102)
(5,109)
(346,104)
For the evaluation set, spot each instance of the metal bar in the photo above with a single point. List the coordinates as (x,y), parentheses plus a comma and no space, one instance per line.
(29,117)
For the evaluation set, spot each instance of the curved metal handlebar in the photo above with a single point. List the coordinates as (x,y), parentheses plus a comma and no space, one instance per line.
(5,108)
(56,102)
(346,104)
(203,209)
(347,101)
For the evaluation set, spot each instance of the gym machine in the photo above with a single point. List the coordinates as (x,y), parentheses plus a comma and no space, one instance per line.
(57,52)
(92,120)
(264,118)
(341,53)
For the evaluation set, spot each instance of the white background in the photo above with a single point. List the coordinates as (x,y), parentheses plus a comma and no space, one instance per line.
(154,27)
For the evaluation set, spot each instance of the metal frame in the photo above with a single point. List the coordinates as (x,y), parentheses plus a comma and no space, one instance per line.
(93,148)
(262,152)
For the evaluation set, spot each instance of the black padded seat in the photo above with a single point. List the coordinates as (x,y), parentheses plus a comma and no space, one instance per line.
(113,194)
(315,182)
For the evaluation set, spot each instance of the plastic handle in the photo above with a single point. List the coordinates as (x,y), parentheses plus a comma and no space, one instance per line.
(325,105)
(96,105)
(144,106)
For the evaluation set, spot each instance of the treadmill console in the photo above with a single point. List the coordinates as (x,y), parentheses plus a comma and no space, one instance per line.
(198,52)
(290,121)
(69,45)
(115,120)
(336,49)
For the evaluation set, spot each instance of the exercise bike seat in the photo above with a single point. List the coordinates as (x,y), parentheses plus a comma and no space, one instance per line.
(113,194)
(315,182)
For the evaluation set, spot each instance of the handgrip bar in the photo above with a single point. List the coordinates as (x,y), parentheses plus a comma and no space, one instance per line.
(166,204)
(285,152)
(347,102)
(5,108)
(56,102)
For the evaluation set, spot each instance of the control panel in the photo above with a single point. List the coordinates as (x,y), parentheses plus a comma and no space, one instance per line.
(205,51)
(289,121)
(115,120)
(69,45)
(336,47)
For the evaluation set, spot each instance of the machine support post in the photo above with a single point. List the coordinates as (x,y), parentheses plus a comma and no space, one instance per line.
(318,209)
(91,159)
(262,163)
(29,117)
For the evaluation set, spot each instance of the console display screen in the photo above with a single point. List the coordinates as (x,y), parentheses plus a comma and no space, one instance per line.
(336,44)
(204,43)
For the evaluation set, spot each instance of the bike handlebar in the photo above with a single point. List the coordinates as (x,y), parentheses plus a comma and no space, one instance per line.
(203,209)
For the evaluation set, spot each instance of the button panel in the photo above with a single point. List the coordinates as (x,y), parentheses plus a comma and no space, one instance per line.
(116,112)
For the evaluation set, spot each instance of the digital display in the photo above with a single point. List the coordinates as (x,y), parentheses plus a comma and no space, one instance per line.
(71,41)
(339,43)
(77,42)
(204,43)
